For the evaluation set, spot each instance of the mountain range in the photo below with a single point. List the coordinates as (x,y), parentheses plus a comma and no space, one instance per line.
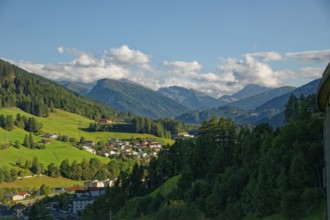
(190,98)
(253,104)
(130,97)
(270,111)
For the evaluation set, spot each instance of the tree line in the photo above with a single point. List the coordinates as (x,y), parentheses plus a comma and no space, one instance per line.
(85,170)
(164,128)
(39,96)
(28,124)
(230,172)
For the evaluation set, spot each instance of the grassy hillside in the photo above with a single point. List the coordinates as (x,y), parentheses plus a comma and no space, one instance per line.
(167,186)
(36,182)
(59,122)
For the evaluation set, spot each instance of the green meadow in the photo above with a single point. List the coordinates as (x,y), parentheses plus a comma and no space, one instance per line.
(167,187)
(36,182)
(61,123)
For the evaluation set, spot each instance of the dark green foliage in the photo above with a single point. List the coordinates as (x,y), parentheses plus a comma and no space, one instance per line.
(53,170)
(39,211)
(28,124)
(7,122)
(136,124)
(39,96)
(17,144)
(28,141)
(85,170)
(7,175)
(199,116)
(44,190)
(232,172)
(36,167)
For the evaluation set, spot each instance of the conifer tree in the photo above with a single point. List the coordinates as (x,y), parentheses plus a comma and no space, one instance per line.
(31,141)
(26,141)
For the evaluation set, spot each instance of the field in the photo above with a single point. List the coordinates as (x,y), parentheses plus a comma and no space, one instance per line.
(167,186)
(61,123)
(36,182)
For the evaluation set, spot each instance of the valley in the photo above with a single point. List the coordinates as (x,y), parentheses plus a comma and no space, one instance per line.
(58,139)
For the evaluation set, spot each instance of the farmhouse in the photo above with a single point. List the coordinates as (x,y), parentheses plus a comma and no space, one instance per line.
(20,196)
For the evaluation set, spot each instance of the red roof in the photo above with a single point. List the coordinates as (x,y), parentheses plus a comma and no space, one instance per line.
(74,188)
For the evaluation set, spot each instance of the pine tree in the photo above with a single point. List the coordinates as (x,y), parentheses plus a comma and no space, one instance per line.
(31,141)
(26,141)
(51,106)
(2,121)
(9,123)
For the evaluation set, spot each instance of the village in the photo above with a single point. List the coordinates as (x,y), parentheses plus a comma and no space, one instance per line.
(143,149)
(77,197)
(115,148)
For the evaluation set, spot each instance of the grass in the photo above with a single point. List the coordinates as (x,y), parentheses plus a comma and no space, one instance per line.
(36,182)
(62,123)
(167,186)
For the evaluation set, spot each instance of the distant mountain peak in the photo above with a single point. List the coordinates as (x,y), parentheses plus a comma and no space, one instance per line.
(190,98)
(129,96)
(250,90)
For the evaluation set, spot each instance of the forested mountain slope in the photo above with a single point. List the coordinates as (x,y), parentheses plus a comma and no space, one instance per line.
(37,95)
(230,172)
(127,96)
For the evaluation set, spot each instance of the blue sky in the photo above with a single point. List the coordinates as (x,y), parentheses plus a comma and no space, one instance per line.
(214,46)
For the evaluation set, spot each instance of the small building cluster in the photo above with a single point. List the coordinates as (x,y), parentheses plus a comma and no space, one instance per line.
(84,197)
(143,148)
(100,183)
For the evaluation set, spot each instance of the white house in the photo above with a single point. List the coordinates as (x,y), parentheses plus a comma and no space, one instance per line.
(80,204)
(20,196)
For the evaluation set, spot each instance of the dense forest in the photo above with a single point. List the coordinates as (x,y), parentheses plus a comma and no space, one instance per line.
(39,96)
(229,172)
(165,128)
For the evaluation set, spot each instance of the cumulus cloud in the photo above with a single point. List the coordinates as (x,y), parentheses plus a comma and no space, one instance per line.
(231,75)
(124,55)
(249,70)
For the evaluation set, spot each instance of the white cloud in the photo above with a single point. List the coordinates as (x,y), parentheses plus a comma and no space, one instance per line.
(249,70)
(318,56)
(60,50)
(125,56)
(181,67)
(267,56)
(231,75)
